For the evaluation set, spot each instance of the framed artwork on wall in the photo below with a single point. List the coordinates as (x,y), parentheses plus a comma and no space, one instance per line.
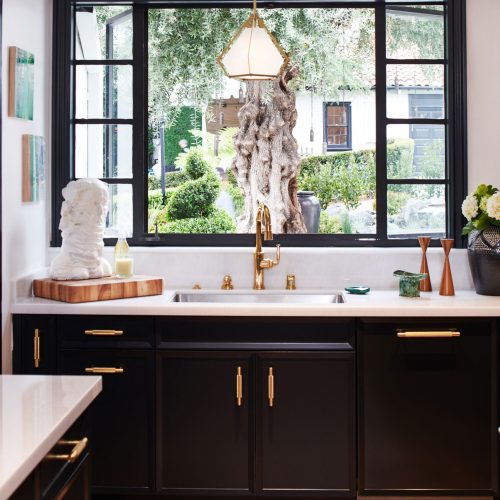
(21,83)
(33,168)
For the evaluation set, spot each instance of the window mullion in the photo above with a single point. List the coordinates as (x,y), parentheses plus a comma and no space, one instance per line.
(381,121)
(139,132)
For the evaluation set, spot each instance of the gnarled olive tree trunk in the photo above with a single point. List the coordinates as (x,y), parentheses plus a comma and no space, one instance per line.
(267,161)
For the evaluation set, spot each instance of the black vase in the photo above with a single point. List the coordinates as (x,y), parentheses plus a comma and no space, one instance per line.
(484,260)
(311,210)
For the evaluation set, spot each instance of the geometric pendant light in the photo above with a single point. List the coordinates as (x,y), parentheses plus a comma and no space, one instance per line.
(253,53)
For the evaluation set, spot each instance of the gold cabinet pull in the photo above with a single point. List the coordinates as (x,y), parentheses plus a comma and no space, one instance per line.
(72,456)
(444,334)
(104,333)
(270,387)
(36,348)
(239,386)
(104,369)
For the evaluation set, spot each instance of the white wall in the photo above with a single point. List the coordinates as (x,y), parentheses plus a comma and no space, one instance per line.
(483,80)
(25,226)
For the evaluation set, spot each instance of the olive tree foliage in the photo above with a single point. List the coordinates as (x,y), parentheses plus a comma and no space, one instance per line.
(330,46)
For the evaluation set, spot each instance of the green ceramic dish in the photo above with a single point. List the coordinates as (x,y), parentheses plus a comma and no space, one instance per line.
(409,283)
(357,290)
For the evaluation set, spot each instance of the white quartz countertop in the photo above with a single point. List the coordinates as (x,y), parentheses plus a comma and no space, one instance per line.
(376,303)
(36,411)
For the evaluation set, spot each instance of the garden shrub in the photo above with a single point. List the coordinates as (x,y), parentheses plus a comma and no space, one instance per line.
(153,183)
(219,221)
(176,178)
(349,176)
(155,198)
(400,159)
(329,224)
(396,200)
(196,164)
(237,197)
(194,198)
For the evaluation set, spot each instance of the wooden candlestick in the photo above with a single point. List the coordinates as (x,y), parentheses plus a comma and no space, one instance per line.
(447,287)
(425,284)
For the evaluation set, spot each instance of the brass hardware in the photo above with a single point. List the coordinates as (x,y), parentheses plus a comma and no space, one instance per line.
(260,263)
(104,333)
(428,335)
(227,283)
(78,448)
(290,282)
(270,387)
(104,370)
(196,286)
(36,348)
(239,386)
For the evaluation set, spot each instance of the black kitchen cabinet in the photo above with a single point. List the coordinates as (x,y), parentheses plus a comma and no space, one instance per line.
(427,406)
(122,416)
(35,344)
(58,476)
(204,436)
(306,423)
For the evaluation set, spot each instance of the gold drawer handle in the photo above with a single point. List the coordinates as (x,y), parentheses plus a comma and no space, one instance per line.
(104,333)
(104,369)
(78,448)
(36,348)
(445,334)
(239,386)
(270,387)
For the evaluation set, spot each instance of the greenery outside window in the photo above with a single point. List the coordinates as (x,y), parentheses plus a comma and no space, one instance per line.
(380,118)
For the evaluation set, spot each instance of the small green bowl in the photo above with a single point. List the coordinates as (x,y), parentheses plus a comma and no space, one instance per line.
(357,290)
(409,283)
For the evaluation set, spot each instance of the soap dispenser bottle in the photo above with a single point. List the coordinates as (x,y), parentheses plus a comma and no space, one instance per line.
(124,264)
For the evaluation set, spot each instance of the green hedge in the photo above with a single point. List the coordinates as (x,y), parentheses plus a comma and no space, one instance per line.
(187,119)
(196,164)
(349,176)
(175,179)
(219,221)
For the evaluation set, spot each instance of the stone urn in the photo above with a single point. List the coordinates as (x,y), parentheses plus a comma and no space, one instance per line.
(311,210)
(484,260)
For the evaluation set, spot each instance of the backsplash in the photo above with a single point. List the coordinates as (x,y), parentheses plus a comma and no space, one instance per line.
(323,268)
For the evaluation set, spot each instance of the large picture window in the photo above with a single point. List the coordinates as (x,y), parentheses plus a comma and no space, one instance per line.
(141,104)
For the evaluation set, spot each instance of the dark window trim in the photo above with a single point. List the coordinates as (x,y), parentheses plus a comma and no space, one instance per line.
(333,147)
(456,154)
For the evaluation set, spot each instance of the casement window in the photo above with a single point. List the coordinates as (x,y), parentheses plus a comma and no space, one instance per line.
(380,98)
(337,125)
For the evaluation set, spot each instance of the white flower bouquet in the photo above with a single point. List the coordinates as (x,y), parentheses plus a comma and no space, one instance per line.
(481,209)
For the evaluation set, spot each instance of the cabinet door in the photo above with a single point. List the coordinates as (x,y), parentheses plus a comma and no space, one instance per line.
(34,349)
(427,406)
(306,423)
(122,417)
(203,428)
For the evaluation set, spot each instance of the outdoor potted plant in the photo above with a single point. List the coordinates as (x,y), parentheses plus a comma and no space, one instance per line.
(482,211)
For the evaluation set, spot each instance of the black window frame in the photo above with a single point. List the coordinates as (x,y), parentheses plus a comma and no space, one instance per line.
(455,121)
(348,126)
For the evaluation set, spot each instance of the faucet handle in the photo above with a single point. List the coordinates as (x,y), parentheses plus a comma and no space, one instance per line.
(227,283)
(276,261)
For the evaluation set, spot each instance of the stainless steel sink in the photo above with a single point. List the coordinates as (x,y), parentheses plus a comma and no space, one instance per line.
(260,297)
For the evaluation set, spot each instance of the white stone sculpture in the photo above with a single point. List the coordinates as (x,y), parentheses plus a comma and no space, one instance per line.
(83,220)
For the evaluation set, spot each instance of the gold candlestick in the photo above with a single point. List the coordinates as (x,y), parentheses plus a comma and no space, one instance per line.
(447,287)
(425,284)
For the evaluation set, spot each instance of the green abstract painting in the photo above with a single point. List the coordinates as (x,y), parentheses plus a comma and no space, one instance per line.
(33,168)
(21,83)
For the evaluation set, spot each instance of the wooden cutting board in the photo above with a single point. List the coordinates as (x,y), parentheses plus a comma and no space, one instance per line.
(98,289)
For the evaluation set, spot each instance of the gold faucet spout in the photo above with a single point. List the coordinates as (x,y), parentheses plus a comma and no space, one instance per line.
(263,217)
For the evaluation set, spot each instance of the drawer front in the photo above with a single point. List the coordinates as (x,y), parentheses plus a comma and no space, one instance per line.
(134,332)
(122,416)
(427,405)
(255,333)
